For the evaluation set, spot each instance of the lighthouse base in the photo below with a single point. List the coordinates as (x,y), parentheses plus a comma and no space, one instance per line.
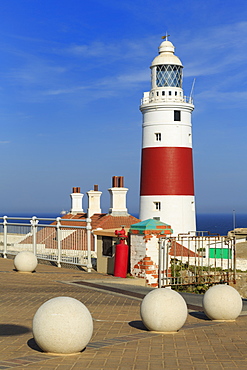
(177,211)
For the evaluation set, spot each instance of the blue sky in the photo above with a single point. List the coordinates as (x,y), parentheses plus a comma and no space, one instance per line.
(72,74)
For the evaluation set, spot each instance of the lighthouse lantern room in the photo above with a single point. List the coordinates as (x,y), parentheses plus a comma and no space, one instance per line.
(167,184)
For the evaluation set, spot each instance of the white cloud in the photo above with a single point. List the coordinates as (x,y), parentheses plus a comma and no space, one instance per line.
(110,85)
(217,58)
(135,77)
(229,98)
(36,72)
(215,50)
(96,49)
(126,49)
(214,54)
(71,90)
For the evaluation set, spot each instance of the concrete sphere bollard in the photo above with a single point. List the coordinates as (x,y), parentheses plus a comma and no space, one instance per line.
(62,325)
(222,302)
(163,310)
(25,261)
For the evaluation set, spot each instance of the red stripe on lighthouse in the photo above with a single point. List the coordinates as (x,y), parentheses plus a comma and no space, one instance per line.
(167,171)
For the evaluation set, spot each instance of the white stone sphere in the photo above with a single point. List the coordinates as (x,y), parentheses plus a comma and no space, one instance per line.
(62,325)
(25,261)
(163,310)
(222,302)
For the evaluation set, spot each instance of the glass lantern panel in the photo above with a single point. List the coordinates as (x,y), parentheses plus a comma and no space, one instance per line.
(169,75)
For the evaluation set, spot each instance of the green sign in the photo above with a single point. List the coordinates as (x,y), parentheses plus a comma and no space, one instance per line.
(224,253)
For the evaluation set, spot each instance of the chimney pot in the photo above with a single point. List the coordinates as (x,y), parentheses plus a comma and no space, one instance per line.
(117,181)
(114,181)
(76,189)
(121,181)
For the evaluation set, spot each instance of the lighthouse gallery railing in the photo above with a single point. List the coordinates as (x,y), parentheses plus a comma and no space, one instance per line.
(57,240)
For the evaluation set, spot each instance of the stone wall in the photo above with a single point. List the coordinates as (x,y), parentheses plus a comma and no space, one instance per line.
(144,259)
(241,284)
(144,249)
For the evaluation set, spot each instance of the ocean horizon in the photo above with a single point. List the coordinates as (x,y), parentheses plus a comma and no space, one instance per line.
(215,223)
(218,223)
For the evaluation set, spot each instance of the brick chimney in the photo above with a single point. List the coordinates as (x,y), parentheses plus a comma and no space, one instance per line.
(118,197)
(94,201)
(76,201)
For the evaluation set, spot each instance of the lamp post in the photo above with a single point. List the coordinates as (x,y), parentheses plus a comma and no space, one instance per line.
(234,219)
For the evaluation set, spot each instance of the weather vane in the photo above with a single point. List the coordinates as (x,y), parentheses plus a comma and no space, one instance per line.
(165,37)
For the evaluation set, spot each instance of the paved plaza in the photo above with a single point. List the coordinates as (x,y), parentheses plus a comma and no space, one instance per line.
(120,341)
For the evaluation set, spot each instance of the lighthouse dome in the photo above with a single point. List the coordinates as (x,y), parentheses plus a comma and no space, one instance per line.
(166,46)
(166,55)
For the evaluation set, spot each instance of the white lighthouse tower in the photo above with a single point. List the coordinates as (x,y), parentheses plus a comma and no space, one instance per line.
(167,184)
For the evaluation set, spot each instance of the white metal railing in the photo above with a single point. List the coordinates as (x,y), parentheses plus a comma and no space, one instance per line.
(53,239)
(157,99)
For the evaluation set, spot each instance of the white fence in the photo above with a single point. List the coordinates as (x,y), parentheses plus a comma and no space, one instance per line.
(59,240)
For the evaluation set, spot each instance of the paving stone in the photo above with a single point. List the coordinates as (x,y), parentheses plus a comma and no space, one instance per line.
(119,342)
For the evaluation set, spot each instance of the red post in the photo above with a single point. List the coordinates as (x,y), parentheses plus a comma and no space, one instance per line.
(121,255)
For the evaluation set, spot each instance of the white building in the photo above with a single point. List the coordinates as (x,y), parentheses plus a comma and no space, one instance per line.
(167,184)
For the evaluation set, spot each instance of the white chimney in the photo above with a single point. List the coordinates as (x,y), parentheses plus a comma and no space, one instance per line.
(118,197)
(76,201)
(93,201)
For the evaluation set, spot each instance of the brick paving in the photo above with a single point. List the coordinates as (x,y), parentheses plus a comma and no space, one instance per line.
(120,341)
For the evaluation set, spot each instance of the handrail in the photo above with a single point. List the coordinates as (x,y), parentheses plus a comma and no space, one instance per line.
(70,247)
(165,99)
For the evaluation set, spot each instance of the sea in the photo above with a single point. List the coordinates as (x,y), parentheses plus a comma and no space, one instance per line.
(219,223)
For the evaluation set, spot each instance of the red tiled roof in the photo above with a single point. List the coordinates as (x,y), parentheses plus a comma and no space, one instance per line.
(111,222)
(46,236)
(101,220)
(77,238)
(178,250)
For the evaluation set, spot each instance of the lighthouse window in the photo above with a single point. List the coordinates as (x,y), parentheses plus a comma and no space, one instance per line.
(158,136)
(157,206)
(177,115)
(176,93)
(169,75)
(157,93)
(163,92)
(170,93)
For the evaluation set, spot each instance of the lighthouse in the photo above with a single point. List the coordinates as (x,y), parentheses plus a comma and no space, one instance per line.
(167,183)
